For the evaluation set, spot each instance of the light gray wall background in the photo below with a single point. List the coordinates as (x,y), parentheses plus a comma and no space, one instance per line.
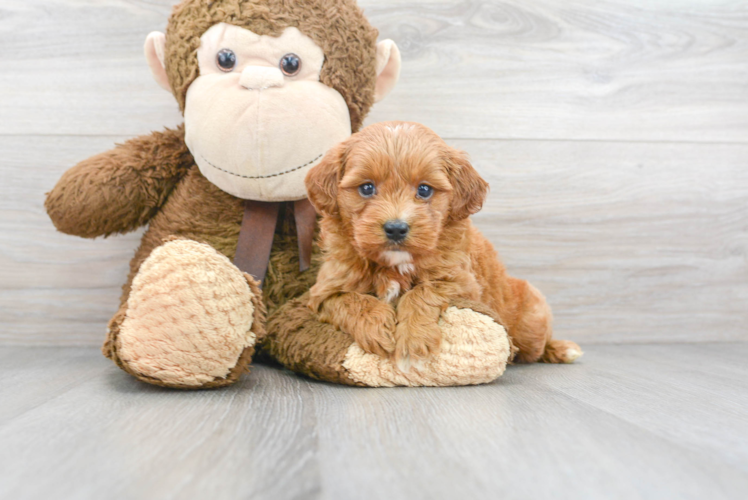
(614,135)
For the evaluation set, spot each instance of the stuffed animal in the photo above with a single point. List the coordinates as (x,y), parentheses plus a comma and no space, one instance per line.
(266,88)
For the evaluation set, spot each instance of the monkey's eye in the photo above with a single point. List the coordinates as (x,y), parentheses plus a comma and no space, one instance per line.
(367,190)
(290,64)
(226,60)
(425,192)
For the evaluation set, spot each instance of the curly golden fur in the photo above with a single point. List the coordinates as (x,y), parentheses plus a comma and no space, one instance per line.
(388,294)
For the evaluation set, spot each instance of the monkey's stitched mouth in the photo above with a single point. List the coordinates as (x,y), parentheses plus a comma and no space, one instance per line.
(264,176)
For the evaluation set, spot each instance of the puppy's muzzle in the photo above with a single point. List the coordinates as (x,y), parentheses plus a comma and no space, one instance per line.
(396,230)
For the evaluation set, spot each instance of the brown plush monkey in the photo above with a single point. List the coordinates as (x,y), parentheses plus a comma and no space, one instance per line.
(266,88)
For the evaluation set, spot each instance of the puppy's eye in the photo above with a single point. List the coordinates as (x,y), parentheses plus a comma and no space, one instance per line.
(226,60)
(367,190)
(290,64)
(425,192)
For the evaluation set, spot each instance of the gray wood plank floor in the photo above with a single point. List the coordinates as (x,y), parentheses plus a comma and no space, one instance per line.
(635,421)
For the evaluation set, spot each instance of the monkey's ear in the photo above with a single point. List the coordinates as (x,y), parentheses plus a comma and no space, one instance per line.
(388,68)
(154,47)
(468,187)
(323,179)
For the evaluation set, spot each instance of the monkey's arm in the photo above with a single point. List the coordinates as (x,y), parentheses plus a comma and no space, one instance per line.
(121,189)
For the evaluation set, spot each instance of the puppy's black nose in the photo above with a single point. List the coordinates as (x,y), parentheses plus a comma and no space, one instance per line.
(396,230)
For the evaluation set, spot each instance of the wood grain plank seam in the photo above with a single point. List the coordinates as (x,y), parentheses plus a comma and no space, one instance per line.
(446,138)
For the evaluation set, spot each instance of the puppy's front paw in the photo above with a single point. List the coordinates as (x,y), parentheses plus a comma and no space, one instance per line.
(416,343)
(373,329)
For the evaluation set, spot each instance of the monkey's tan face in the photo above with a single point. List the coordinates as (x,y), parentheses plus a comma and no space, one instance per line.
(258,118)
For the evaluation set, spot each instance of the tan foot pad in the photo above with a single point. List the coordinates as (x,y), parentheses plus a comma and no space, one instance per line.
(188,317)
(475,350)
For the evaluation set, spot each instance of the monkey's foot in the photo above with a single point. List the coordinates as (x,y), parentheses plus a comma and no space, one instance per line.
(475,349)
(191,321)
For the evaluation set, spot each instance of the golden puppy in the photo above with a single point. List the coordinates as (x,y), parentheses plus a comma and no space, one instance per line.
(398,243)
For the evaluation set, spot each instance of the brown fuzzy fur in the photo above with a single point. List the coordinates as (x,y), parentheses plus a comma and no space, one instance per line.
(154,180)
(443,258)
(302,343)
(337,26)
(122,189)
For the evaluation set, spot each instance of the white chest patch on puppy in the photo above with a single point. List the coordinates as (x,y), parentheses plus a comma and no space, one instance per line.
(393,292)
(401,260)
(396,257)
(406,268)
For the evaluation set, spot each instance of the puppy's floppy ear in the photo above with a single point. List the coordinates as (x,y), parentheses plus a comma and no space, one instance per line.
(468,187)
(323,179)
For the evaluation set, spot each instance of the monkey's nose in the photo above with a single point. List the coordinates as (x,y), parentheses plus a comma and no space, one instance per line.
(396,230)
(261,78)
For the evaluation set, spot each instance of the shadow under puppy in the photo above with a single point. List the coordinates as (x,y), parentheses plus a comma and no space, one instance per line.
(398,243)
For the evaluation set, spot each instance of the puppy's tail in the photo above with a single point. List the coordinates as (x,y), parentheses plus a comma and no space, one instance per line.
(561,351)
